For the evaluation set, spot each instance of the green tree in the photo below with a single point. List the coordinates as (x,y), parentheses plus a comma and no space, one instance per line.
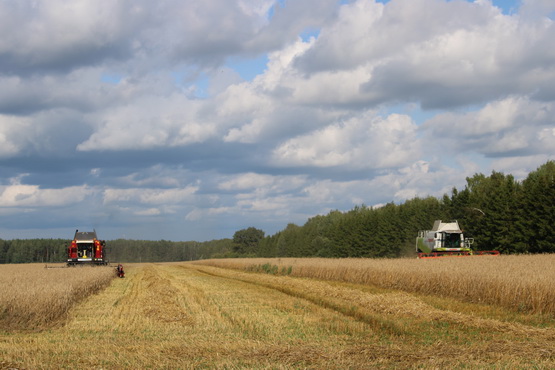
(4,246)
(419,214)
(492,211)
(246,241)
(536,221)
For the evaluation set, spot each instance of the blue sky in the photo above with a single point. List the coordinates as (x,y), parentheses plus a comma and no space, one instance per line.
(188,120)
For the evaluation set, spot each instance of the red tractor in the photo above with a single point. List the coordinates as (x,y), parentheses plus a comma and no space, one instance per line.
(86,249)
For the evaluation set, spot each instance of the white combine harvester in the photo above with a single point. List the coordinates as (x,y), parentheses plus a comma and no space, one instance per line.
(446,239)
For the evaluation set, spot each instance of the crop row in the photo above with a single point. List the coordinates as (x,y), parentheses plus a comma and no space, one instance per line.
(525,283)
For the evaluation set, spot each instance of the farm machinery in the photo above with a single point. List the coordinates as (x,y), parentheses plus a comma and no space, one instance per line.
(86,249)
(119,271)
(446,239)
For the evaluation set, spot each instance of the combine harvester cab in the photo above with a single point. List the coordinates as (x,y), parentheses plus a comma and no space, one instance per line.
(86,249)
(446,239)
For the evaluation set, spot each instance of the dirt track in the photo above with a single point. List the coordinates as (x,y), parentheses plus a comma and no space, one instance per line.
(187,316)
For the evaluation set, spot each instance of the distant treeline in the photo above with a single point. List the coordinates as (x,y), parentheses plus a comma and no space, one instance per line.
(499,212)
(120,250)
(123,250)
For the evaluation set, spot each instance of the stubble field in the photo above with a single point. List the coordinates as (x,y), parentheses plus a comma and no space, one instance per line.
(260,314)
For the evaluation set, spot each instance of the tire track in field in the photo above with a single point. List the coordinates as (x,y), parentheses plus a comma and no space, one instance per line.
(196,290)
(191,297)
(125,308)
(249,324)
(223,304)
(233,319)
(198,293)
(168,298)
(315,292)
(371,308)
(142,297)
(160,299)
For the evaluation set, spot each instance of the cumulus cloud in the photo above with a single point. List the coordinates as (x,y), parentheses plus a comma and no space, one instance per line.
(441,54)
(25,196)
(537,8)
(506,127)
(149,196)
(152,121)
(136,110)
(250,181)
(59,36)
(361,142)
(8,133)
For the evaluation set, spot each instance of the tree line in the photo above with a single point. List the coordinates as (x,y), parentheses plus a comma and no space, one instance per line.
(499,212)
(119,250)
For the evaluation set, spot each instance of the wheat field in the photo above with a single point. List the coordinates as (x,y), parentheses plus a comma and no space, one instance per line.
(524,283)
(33,296)
(192,315)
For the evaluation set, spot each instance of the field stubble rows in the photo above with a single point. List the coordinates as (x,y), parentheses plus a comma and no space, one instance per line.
(190,315)
(523,283)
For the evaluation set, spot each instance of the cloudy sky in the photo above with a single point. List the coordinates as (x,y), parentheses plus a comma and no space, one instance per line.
(192,119)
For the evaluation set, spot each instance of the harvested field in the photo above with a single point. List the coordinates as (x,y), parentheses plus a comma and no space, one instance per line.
(189,315)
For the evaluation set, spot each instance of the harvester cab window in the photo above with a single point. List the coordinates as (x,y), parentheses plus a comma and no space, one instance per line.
(452,240)
(84,250)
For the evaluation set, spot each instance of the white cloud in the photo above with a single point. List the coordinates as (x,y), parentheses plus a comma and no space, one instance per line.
(151,122)
(275,204)
(247,181)
(362,142)
(537,8)
(437,53)
(248,133)
(55,34)
(130,109)
(157,176)
(513,124)
(95,172)
(150,196)
(148,212)
(203,213)
(519,166)
(8,146)
(263,192)
(19,195)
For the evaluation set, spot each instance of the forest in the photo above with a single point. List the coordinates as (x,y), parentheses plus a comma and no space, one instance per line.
(119,250)
(499,212)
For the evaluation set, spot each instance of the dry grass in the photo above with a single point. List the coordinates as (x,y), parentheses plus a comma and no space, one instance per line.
(190,316)
(521,283)
(35,297)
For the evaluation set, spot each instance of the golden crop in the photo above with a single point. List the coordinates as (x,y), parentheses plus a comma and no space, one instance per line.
(35,297)
(523,283)
(188,315)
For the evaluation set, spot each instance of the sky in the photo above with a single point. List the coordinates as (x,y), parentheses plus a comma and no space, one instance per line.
(193,119)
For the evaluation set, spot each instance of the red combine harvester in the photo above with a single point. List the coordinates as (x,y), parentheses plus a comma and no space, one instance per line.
(86,249)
